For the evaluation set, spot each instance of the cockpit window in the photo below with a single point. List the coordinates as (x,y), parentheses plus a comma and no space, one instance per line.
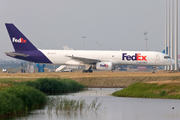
(167,57)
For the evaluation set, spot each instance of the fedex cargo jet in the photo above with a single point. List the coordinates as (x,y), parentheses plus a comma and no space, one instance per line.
(101,60)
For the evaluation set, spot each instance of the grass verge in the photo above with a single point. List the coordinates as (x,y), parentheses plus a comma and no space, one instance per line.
(150,90)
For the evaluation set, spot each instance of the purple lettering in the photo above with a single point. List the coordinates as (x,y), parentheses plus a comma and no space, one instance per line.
(124,55)
(128,58)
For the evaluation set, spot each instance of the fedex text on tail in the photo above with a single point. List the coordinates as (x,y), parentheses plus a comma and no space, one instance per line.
(20,40)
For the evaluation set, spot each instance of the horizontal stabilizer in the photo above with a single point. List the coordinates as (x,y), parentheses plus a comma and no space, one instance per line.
(12,54)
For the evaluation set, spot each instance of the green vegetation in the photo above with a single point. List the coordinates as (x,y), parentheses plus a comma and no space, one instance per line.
(18,97)
(150,90)
(30,96)
(53,85)
(9,103)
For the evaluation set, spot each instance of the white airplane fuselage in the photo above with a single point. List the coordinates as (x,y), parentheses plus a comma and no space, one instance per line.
(65,57)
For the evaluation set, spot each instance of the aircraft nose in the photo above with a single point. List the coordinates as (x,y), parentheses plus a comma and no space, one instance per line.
(172,61)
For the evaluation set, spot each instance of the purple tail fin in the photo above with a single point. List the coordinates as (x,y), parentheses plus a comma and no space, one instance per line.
(19,41)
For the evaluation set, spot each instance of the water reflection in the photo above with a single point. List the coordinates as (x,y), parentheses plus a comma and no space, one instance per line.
(113,108)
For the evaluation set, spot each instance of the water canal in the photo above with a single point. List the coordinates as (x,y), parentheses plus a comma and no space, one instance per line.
(112,108)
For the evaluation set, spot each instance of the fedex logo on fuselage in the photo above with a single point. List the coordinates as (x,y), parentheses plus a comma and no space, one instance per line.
(105,65)
(137,57)
(20,40)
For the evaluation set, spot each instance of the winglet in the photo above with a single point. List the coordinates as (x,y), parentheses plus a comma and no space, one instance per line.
(19,41)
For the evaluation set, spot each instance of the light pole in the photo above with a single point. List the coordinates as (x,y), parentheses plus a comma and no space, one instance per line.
(165,67)
(146,40)
(172,32)
(176,37)
(168,32)
(84,37)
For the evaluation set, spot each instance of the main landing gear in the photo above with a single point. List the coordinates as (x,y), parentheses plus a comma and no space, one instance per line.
(154,69)
(88,71)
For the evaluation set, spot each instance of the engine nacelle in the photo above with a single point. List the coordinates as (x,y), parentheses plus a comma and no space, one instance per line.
(104,66)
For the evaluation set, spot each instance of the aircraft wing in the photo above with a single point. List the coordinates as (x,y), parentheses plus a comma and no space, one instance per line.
(85,60)
(13,54)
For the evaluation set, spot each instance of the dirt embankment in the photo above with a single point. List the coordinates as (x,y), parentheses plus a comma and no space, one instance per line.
(124,81)
(101,79)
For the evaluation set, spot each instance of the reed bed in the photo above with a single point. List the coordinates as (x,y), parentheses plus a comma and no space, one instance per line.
(9,104)
(18,99)
(63,104)
(53,85)
(30,96)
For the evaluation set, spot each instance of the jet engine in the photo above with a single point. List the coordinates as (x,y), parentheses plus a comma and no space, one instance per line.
(105,66)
